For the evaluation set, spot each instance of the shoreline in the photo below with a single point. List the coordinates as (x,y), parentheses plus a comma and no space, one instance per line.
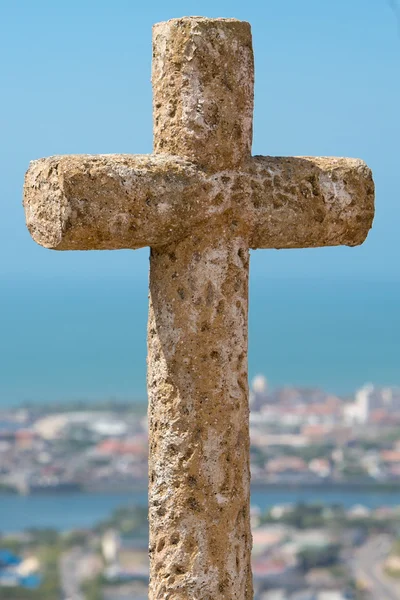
(84,510)
(141,487)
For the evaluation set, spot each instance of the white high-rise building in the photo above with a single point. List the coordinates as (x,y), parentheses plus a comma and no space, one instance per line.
(358,412)
(258,392)
(259,384)
(363,402)
(110,545)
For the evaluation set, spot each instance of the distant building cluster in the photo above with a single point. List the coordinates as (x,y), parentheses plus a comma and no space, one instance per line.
(310,436)
(298,436)
(300,552)
(91,450)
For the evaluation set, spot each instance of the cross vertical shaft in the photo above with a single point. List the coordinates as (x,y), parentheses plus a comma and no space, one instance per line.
(200,540)
(199,506)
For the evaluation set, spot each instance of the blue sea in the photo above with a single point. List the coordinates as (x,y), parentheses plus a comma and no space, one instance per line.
(78,510)
(86,338)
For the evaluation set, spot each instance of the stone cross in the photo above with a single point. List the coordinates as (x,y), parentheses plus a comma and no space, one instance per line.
(200,201)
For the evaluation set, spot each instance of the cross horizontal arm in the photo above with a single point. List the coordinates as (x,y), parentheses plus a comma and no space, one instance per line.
(305,202)
(85,202)
(107,202)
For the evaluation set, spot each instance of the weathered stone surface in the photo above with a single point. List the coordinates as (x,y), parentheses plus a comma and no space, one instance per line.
(110,202)
(201,201)
(88,202)
(203,79)
(199,486)
(308,202)
(200,539)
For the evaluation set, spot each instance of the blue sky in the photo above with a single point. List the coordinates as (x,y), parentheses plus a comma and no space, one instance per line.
(75,78)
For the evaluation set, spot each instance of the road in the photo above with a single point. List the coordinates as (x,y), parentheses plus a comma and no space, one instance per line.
(368,567)
(70,574)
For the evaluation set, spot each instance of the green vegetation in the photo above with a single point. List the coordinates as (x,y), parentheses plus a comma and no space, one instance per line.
(312,557)
(47,545)
(392,572)
(308,516)
(311,516)
(353,470)
(257,456)
(92,589)
(129,521)
(111,405)
(7,489)
(44,537)
(391,569)
(307,453)
(396,548)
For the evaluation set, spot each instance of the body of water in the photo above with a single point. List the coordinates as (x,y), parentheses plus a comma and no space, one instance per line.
(69,339)
(79,510)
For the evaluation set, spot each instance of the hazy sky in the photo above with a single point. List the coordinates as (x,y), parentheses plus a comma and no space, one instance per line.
(75,78)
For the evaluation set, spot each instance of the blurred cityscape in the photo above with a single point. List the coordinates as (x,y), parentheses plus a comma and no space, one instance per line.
(301,439)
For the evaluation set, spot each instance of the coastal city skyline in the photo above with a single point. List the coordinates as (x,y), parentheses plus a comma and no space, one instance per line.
(289,429)
(325,496)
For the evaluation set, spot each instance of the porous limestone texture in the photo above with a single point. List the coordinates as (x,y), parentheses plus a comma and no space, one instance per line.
(200,202)
(203,79)
(199,471)
(109,202)
(200,538)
